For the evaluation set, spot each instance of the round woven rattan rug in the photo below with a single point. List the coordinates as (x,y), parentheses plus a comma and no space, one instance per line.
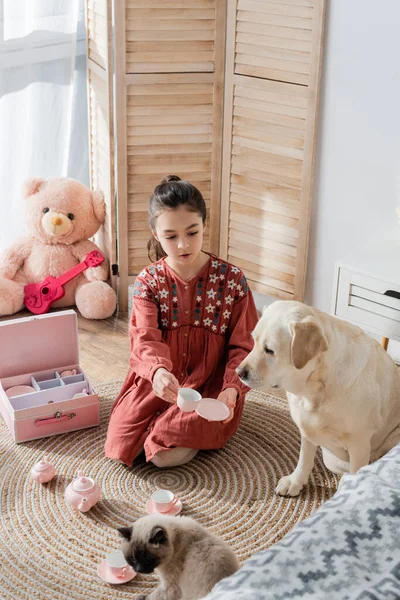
(51,551)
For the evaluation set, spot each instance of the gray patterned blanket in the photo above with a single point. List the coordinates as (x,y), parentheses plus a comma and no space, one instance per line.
(348,550)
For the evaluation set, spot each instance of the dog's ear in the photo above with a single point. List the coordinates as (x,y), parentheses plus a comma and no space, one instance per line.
(308,341)
(125,532)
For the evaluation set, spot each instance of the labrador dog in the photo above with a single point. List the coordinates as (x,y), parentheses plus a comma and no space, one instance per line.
(343,388)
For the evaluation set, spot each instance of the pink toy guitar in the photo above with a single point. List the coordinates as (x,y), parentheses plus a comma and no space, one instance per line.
(38,297)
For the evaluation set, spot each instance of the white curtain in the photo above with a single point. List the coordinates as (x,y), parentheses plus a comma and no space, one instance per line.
(43,107)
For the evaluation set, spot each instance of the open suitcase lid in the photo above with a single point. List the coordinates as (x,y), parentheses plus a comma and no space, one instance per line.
(38,343)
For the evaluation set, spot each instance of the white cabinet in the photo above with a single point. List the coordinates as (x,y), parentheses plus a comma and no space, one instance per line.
(367,289)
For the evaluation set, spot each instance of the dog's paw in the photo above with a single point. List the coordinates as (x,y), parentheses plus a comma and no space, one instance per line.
(288,486)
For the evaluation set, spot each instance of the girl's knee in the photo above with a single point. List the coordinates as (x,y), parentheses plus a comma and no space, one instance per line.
(174,457)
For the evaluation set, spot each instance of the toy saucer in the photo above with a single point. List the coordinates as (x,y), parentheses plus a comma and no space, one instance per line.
(19,390)
(172,512)
(104,573)
(213,409)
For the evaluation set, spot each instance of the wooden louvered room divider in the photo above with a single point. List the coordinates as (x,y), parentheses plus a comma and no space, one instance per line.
(223,93)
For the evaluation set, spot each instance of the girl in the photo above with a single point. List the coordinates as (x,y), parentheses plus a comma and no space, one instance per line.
(191,326)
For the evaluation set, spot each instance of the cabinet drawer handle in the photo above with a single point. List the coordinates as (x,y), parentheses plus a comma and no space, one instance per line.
(392,294)
(56,419)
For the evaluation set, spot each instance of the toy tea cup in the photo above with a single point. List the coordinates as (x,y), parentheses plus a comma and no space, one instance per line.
(163,500)
(83,493)
(43,471)
(81,394)
(68,373)
(114,569)
(117,564)
(188,399)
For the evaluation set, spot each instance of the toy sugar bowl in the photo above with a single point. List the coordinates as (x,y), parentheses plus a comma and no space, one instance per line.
(43,471)
(83,493)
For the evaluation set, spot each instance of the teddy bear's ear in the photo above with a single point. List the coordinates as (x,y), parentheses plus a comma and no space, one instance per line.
(99,206)
(32,186)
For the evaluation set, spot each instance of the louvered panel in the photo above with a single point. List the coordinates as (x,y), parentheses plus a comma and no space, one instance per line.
(98,34)
(169,130)
(263,273)
(274,40)
(102,152)
(280,207)
(269,221)
(170,37)
(271,93)
(276,241)
(266,258)
(266,178)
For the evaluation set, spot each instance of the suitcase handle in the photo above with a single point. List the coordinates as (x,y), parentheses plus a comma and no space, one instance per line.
(56,419)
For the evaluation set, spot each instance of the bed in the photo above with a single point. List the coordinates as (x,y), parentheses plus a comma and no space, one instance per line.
(349,549)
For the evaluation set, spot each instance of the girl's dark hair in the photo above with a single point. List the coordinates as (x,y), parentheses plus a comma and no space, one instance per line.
(171,193)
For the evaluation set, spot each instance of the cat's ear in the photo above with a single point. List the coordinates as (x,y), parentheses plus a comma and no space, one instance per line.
(125,532)
(158,536)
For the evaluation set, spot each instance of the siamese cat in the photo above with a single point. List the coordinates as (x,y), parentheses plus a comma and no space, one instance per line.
(188,559)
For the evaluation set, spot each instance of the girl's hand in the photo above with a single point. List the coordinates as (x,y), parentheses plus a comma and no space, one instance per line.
(229,397)
(165,385)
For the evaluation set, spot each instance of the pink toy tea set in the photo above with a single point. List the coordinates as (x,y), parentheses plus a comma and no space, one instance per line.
(83,493)
(190,400)
(43,390)
(164,502)
(43,471)
(115,569)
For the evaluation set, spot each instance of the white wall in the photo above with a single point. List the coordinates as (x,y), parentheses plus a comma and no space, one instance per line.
(357,174)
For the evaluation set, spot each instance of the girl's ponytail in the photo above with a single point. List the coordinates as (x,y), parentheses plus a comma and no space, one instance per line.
(154,250)
(170,178)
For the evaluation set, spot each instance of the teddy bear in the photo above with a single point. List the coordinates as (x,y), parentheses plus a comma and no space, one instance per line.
(60,214)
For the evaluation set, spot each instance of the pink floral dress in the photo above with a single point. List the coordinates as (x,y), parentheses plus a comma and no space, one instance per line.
(200,330)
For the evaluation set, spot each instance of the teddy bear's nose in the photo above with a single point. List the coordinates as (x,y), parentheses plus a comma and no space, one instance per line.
(56,221)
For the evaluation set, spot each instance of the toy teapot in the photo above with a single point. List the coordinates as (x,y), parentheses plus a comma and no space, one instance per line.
(83,493)
(43,471)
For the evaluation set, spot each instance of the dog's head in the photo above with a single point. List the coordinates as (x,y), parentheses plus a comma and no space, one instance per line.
(146,544)
(287,341)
